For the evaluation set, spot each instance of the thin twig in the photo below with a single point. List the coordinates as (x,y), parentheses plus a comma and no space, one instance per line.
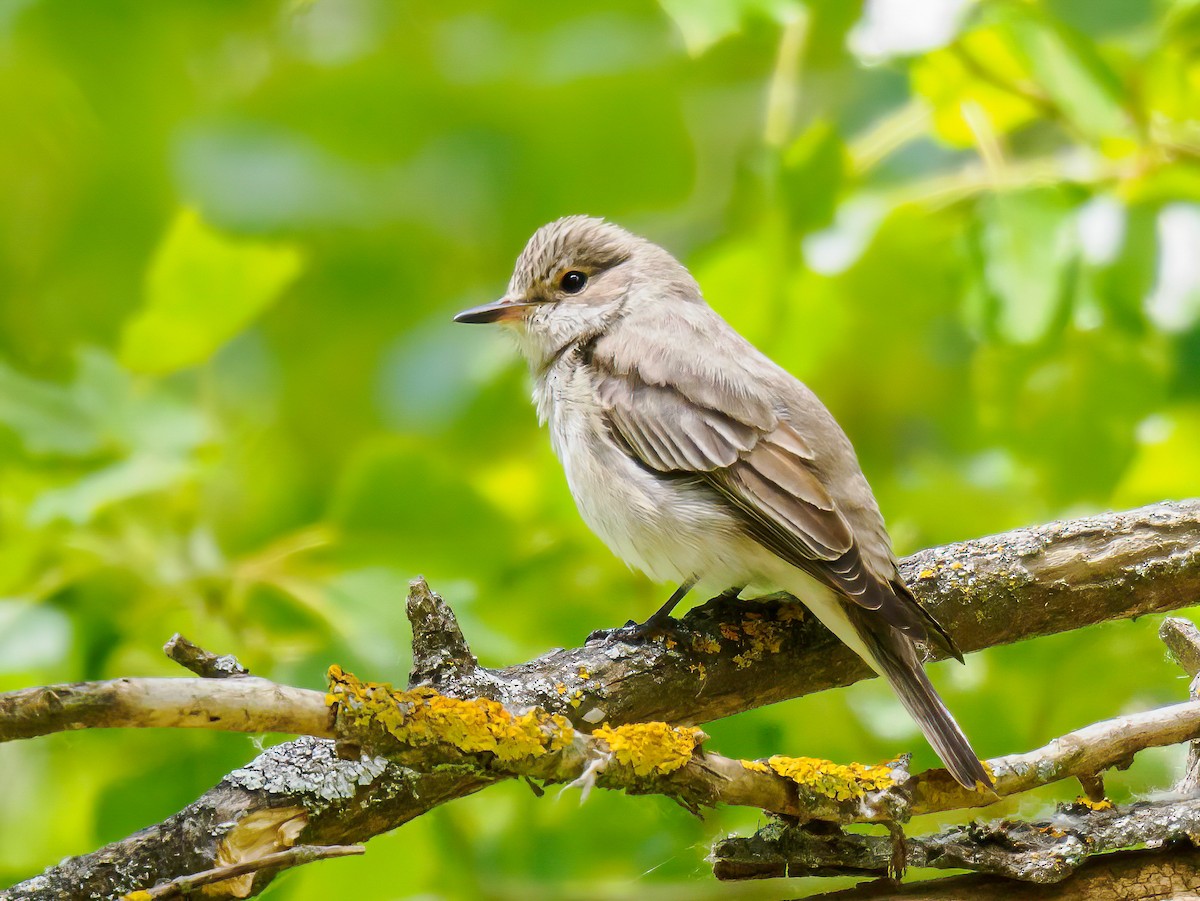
(244,704)
(279,860)
(201,662)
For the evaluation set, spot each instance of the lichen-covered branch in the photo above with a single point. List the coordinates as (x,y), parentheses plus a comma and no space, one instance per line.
(1172,872)
(1042,852)
(725,658)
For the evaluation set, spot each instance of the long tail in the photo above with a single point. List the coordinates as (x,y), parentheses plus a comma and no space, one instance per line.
(896,659)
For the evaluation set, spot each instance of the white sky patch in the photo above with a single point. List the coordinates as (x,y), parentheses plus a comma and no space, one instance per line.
(837,248)
(905,27)
(1101,226)
(1174,303)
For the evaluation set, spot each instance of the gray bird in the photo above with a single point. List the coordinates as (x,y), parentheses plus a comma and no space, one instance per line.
(696,459)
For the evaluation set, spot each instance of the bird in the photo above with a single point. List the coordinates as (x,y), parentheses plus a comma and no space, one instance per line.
(698,460)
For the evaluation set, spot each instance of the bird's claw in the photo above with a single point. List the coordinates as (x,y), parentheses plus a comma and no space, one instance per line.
(653,629)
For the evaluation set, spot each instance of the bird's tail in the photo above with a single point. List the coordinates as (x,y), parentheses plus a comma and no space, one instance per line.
(896,659)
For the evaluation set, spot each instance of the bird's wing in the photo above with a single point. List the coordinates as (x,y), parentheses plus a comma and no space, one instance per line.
(684,420)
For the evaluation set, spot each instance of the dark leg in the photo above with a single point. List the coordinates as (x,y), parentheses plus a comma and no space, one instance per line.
(728,596)
(663,613)
(659,623)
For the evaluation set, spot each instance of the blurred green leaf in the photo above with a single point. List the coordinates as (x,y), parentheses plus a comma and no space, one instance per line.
(80,501)
(704,23)
(981,71)
(1029,253)
(1067,67)
(47,418)
(813,169)
(202,288)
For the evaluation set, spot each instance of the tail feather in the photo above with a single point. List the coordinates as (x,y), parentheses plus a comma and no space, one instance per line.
(896,659)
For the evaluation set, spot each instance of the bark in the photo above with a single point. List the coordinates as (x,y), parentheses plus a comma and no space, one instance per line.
(242,704)
(1151,875)
(724,659)
(1043,852)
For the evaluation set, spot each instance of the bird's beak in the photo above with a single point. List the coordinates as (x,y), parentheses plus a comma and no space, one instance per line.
(505,309)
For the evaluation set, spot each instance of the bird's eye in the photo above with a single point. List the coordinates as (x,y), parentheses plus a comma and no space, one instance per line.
(573,282)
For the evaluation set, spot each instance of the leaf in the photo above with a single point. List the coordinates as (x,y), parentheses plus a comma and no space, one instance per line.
(1018,67)
(1067,67)
(46,417)
(80,501)
(813,170)
(1028,243)
(949,81)
(704,23)
(202,289)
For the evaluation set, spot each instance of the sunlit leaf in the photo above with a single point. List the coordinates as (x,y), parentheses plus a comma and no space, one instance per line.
(203,287)
(1067,68)
(980,71)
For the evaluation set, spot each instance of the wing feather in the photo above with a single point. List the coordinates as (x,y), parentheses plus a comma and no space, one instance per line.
(762,468)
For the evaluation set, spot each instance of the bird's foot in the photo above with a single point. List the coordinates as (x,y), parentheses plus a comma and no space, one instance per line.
(658,626)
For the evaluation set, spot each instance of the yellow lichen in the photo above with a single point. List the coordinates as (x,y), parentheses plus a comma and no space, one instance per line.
(763,637)
(842,782)
(421,716)
(699,669)
(704,645)
(584,673)
(926,574)
(650,748)
(956,565)
(789,612)
(560,688)
(756,766)
(730,631)
(1102,804)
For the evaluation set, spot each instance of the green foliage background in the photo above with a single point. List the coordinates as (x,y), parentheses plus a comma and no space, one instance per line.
(233,405)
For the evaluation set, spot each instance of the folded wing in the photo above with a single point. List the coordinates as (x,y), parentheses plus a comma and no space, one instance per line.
(762,467)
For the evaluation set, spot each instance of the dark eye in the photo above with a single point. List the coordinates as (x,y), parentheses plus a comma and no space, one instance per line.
(573,282)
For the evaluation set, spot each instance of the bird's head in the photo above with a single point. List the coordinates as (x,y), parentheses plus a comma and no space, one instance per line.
(575,278)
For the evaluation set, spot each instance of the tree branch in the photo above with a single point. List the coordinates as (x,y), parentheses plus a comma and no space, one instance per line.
(726,658)
(201,662)
(243,704)
(1148,875)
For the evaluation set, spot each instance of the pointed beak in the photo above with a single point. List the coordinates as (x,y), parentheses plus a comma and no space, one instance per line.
(503,310)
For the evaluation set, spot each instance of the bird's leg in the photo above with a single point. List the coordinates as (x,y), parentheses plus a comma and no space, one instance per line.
(663,613)
(659,623)
(728,596)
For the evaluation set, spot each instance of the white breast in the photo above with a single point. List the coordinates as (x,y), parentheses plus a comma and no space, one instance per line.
(669,529)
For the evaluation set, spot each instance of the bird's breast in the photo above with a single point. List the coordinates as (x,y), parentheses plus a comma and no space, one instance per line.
(670,527)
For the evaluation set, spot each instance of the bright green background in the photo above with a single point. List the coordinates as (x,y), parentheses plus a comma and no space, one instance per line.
(232,235)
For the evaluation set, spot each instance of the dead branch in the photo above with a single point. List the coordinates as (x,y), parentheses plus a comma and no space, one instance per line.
(244,704)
